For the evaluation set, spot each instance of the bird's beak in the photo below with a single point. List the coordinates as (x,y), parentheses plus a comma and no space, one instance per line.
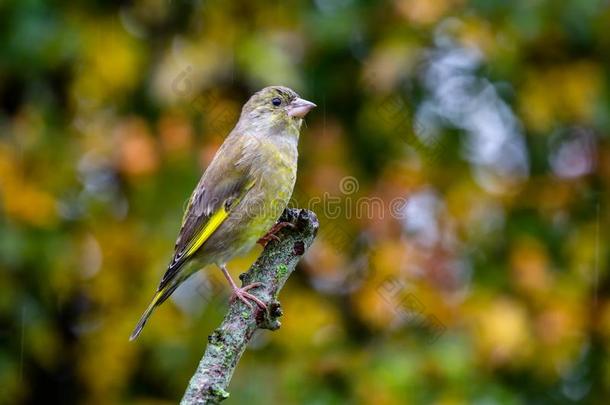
(299,108)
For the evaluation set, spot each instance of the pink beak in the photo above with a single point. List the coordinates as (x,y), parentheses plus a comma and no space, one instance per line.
(299,108)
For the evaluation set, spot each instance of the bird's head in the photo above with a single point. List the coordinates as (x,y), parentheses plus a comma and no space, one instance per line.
(275,107)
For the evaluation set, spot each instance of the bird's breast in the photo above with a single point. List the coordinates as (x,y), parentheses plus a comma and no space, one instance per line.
(278,173)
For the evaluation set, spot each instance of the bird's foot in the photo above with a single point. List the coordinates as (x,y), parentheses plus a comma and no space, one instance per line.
(244,296)
(271,235)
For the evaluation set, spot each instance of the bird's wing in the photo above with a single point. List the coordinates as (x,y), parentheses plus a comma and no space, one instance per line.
(223,185)
(219,191)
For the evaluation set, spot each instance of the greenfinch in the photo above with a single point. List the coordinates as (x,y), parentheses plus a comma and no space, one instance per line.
(241,194)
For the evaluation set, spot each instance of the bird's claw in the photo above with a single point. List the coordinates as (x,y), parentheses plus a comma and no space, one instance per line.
(271,235)
(243,295)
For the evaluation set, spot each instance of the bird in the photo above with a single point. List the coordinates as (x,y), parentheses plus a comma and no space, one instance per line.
(240,196)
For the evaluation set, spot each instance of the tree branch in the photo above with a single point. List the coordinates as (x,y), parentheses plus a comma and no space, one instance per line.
(229,341)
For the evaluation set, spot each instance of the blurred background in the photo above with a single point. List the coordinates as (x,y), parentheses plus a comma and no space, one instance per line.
(459,161)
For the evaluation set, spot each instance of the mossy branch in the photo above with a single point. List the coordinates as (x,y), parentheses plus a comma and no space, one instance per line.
(229,341)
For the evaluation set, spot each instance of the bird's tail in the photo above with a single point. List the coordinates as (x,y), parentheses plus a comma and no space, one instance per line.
(157,300)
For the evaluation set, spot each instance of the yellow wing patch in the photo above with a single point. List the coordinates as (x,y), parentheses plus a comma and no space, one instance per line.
(213,223)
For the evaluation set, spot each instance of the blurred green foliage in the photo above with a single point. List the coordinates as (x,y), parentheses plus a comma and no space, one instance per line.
(480,127)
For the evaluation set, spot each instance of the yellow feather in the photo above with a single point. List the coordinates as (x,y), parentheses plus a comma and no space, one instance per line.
(213,223)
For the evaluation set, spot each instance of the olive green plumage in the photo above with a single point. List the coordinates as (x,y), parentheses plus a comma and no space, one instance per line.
(243,191)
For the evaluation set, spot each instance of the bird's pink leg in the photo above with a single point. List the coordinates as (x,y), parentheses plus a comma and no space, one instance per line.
(271,235)
(242,293)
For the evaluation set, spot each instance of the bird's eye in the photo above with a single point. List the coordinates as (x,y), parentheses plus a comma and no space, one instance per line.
(276,101)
